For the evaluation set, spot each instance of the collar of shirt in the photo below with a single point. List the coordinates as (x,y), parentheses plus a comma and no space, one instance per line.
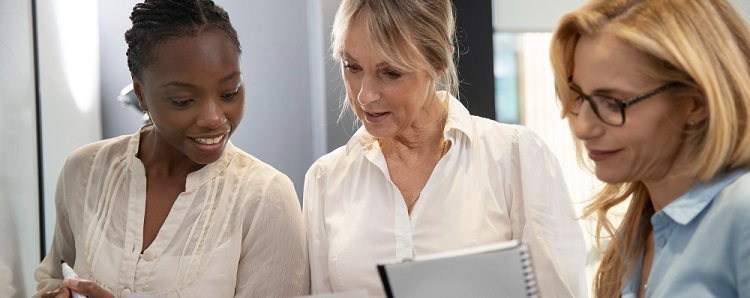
(195,179)
(687,206)
(682,211)
(459,120)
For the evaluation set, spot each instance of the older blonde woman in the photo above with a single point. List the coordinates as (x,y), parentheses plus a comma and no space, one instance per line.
(658,95)
(422,175)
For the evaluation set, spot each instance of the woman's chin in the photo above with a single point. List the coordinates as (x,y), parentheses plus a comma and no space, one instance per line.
(609,177)
(377,130)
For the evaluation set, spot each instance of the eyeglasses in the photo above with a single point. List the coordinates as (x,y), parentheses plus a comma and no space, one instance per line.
(612,110)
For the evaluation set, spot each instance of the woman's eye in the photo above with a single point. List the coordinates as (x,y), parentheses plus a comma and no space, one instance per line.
(230,95)
(352,68)
(180,103)
(392,74)
(608,103)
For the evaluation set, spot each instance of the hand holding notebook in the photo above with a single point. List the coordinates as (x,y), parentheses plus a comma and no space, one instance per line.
(496,270)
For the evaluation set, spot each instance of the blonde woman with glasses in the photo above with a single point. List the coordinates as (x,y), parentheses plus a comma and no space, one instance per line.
(657,94)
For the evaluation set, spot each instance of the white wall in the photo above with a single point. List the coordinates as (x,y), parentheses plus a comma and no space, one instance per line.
(113,21)
(68,43)
(19,196)
(744,7)
(530,15)
(275,63)
(542,15)
(328,92)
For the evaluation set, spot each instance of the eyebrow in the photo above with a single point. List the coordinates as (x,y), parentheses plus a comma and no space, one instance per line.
(349,57)
(189,85)
(577,88)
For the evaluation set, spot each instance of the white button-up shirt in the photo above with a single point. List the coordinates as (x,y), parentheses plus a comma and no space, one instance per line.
(236,230)
(497,182)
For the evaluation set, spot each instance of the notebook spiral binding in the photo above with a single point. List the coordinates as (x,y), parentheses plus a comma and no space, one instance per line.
(528,271)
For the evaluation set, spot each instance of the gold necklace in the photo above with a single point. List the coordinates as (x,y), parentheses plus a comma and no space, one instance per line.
(410,207)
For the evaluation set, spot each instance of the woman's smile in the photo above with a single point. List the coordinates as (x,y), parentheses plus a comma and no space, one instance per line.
(599,155)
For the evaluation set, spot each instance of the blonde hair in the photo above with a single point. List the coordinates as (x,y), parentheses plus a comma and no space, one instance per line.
(409,34)
(705,46)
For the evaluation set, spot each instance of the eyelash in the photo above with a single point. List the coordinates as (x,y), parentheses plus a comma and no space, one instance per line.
(180,103)
(390,74)
(352,68)
(230,96)
(185,103)
(393,75)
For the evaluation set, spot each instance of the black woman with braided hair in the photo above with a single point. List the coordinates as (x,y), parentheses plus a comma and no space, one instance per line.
(175,210)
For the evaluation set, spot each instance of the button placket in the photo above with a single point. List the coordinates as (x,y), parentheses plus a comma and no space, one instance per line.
(662,242)
(660,226)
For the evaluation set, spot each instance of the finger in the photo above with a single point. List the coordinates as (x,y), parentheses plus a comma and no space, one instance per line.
(50,294)
(88,288)
(63,293)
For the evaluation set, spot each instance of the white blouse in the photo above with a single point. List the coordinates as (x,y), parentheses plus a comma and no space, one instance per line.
(236,230)
(497,182)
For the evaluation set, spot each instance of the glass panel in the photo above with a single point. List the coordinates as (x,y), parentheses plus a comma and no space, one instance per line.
(19,190)
(506,78)
(525,95)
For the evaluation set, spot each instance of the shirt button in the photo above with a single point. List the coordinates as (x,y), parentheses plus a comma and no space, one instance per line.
(662,242)
(125,293)
(149,255)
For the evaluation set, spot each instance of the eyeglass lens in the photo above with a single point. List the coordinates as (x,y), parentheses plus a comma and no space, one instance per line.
(607,109)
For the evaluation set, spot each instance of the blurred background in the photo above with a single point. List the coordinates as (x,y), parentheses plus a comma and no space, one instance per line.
(65,75)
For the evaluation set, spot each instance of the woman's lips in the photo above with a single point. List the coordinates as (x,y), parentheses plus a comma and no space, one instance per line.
(376,117)
(600,155)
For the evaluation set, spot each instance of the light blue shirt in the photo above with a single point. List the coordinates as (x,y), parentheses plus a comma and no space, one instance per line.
(702,242)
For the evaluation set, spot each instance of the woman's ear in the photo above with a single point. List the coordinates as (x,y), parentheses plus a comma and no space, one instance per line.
(138,91)
(698,108)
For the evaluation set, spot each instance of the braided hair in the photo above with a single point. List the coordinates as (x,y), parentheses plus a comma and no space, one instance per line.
(155,21)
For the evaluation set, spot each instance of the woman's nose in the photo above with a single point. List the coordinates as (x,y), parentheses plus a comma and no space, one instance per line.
(369,91)
(212,115)
(586,124)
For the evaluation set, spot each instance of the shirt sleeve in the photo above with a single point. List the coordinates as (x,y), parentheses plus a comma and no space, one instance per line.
(317,243)
(49,273)
(273,261)
(543,214)
(742,264)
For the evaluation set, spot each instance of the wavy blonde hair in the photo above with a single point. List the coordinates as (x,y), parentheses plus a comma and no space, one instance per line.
(702,44)
(409,34)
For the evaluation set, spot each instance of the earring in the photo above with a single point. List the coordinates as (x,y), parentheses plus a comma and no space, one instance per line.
(691,122)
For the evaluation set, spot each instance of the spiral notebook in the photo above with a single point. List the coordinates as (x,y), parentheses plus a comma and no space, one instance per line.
(496,270)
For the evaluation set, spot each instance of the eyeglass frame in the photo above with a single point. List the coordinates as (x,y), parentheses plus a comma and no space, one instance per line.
(622,104)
